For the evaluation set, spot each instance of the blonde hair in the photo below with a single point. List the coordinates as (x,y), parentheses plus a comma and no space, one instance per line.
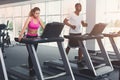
(33,11)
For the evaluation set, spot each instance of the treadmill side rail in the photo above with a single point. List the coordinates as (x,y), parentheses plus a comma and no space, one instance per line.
(3,66)
(65,61)
(87,57)
(105,54)
(35,61)
(116,50)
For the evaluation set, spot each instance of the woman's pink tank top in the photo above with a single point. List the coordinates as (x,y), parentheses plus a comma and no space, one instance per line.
(34,26)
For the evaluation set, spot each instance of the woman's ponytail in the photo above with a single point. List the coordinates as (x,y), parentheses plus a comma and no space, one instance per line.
(33,11)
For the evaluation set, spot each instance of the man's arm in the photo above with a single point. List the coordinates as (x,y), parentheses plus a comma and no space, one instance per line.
(68,24)
(84,24)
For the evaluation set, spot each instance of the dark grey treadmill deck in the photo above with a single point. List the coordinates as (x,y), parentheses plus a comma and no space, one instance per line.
(24,73)
(47,72)
(17,55)
(81,71)
(114,61)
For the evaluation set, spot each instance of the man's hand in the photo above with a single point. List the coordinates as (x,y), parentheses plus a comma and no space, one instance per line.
(73,26)
(68,24)
(84,24)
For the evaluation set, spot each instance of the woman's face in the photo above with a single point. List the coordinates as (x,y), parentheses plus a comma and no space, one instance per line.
(36,14)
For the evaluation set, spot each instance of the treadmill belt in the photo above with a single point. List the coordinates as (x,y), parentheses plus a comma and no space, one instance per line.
(63,78)
(22,73)
(98,65)
(81,71)
(47,71)
(116,63)
(18,72)
(111,55)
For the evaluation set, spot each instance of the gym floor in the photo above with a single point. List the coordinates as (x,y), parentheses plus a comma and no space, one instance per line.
(17,55)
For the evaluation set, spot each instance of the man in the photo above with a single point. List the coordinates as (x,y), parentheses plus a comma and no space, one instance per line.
(75,22)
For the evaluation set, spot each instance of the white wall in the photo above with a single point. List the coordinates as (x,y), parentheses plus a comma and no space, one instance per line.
(91,20)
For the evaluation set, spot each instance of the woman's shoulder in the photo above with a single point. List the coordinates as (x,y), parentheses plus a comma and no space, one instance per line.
(29,18)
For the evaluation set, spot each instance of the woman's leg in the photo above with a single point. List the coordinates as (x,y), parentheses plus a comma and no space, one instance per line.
(32,71)
(30,61)
(35,46)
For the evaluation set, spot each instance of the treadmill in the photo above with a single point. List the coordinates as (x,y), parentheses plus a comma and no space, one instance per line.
(115,58)
(116,63)
(51,34)
(91,69)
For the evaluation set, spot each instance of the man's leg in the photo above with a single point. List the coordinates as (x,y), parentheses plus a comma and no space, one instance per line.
(79,62)
(67,50)
(79,54)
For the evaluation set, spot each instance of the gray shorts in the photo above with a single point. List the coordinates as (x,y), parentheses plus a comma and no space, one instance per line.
(73,42)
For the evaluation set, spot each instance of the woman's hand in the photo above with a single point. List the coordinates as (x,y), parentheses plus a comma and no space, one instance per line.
(19,38)
(24,28)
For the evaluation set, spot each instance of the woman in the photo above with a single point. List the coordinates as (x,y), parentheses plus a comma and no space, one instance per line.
(32,24)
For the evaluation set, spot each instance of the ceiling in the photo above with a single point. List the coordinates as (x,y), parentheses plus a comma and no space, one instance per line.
(11,1)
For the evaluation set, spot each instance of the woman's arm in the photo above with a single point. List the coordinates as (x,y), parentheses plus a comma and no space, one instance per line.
(24,27)
(42,24)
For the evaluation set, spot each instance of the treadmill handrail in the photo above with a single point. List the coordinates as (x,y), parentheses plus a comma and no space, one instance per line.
(84,37)
(39,40)
(111,35)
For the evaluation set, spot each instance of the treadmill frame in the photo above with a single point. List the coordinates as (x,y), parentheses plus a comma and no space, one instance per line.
(112,41)
(86,54)
(37,67)
(3,65)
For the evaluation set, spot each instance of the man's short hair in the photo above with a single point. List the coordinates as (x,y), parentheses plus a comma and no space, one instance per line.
(77,4)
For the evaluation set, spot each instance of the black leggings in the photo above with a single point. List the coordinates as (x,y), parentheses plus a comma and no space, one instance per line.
(29,58)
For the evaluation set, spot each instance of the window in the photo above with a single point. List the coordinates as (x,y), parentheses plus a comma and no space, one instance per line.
(9,11)
(68,6)
(53,19)
(17,26)
(2,12)
(53,8)
(25,10)
(50,11)
(111,15)
(17,11)
(41,6)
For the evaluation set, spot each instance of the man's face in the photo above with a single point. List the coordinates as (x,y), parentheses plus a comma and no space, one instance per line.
(78,8)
